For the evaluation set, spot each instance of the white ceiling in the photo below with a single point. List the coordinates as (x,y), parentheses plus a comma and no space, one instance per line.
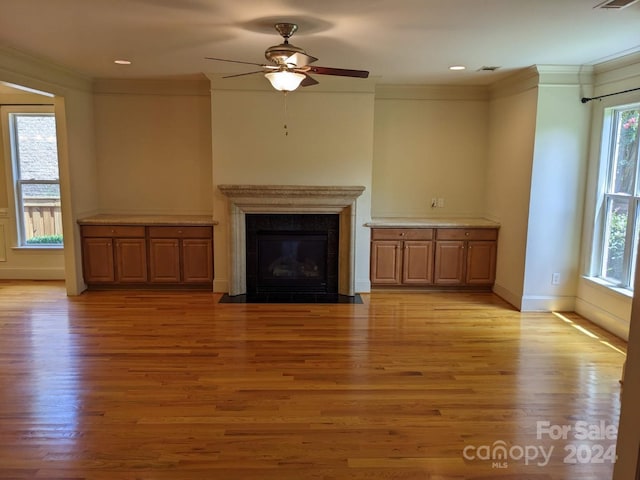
(398,41)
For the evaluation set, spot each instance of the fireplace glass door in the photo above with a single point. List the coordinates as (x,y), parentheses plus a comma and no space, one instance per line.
(292,254)
(292,261)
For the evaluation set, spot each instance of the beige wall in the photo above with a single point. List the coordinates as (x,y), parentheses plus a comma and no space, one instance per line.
(511,140)
(429,143)
(330,142)
(153,147)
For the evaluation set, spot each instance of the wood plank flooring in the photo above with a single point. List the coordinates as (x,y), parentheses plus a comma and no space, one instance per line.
(173,385)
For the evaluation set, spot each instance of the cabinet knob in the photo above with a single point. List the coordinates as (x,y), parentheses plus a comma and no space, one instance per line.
(179,231)
(113,231)
(466,234)
(402,234)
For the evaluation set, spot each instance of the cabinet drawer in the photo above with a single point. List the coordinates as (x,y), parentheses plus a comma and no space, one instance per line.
(112,231)
(466,234)
(402,234)
(180,232)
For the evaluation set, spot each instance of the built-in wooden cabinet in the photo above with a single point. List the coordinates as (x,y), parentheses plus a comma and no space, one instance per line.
(401,256)
(180,255)
(114,254)
(147,255)
(465,256)
(438,257)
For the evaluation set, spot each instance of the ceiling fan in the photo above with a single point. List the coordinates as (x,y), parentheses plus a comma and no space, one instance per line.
(289,65)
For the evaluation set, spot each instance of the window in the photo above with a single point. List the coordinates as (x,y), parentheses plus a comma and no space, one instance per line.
(34,174)
(620,207)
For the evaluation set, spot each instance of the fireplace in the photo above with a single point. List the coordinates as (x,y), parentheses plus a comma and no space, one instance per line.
(290,255)
(245,200)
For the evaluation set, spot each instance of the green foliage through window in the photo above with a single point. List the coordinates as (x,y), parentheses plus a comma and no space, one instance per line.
(45,240)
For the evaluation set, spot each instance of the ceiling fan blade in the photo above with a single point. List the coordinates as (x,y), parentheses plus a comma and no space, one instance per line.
(233,61)
(308,81)
(300,59)
(341,72)
(243,74)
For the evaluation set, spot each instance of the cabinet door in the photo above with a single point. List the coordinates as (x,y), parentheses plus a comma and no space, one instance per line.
(164,260)
(97,260)
(197,260)
(131,260)
(417,262)
(386,262)
(449,263)
(481,263)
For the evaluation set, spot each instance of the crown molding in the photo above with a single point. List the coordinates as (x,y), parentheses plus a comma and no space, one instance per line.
(618,70)
(39,74)
(617,63)
(565,74)
(521,81)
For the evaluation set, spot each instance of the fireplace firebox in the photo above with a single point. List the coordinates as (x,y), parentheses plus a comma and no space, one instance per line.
(292,256)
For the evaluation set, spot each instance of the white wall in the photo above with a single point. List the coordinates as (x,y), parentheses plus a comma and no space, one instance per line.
(557,192)
(429,143)
(330,142)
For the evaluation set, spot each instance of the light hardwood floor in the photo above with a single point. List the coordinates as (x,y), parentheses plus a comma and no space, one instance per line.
(174,385)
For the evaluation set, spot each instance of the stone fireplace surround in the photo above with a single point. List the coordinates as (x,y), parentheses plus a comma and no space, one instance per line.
(303,199)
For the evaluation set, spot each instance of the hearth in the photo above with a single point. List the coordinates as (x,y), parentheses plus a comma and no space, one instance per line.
(292,255)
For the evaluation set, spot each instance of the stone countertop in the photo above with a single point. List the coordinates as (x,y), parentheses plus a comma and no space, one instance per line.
(445,222)
(114,219)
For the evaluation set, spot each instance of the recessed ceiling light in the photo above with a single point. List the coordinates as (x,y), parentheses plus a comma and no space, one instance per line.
(122,62)
(457,67)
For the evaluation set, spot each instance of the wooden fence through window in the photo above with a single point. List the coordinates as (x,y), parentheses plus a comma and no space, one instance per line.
(42,216)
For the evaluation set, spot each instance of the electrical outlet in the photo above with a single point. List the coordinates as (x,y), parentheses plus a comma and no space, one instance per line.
(555,278)
(440,202)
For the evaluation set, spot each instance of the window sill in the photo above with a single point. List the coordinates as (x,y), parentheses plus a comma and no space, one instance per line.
(49,248)
(625,292)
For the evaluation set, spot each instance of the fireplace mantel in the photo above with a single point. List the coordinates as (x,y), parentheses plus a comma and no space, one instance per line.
(245,199)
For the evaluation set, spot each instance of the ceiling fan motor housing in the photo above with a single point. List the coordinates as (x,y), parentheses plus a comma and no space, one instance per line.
(279,53)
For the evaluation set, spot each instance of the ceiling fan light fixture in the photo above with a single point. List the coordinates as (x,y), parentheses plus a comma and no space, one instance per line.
(284,80)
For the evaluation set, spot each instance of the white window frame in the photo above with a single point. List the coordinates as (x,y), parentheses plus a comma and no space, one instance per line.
(14,186)
(605,196)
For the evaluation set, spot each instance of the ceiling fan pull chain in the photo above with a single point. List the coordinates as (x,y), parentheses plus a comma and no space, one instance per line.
(286,131)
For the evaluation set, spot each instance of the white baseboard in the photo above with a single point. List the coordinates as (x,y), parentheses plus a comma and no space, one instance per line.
(611,323)
(536,303)
(543,303)
(363,286)
(32,273)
